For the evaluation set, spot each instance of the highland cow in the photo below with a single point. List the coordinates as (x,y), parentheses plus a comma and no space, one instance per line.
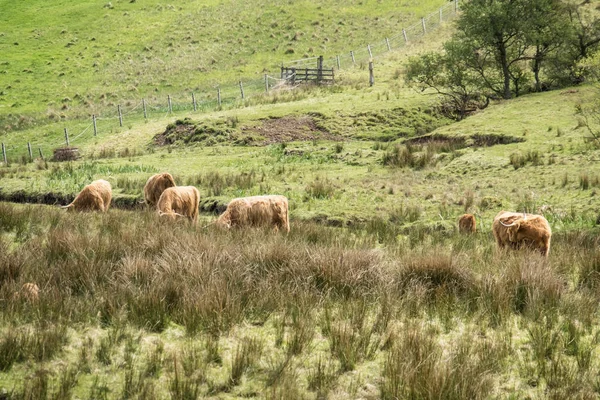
(518,229)
(94,197)
(29,292)
(154,187)
(257,211)
(467,224)
(179,201)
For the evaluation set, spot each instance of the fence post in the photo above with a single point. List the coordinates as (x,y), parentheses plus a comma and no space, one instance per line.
(169,102)
(120,115)
(455,6)
(352,55)
(293,76)
(4,154)
(242,89)
(423,24)
(404,34)
(338,61)
(369,49)
(387,41)
(67,136)
(95,126)
(440,15)
(144,108)
(29,150)
(194,102)
(266,83)
(320,69)
(371,76)
(219,96)
(41,155)
(281,70)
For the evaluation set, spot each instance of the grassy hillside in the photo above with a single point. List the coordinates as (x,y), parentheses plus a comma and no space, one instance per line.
(63,60)
(501,157)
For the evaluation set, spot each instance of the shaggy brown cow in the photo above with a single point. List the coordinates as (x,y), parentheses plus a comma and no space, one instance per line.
(155,185)
(467,224)
(179,201)
(29,292)
(516,229)
(95,196)
(269,210)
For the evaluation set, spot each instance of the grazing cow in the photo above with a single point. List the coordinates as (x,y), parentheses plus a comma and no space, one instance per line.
(269,210)
(179,201)
(94,197)
(155,185)
(516,229)
(467,224)
(29,292)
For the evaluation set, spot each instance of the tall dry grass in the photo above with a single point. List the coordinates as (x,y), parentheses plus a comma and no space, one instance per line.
(438,315)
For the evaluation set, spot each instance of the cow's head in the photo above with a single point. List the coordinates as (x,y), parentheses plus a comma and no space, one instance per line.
(512,229)
(223,223)
(172,216)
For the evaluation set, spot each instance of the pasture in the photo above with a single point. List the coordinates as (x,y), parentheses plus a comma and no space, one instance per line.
(373,294)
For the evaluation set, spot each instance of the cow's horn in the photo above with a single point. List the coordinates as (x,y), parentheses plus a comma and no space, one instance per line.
(507,225)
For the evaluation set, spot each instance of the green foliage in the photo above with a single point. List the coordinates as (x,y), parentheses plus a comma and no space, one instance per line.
(449,75)
(503,49)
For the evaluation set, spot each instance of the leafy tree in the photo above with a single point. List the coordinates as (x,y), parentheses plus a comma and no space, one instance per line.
(451,75)
(546,32)
(586,25)
(504,47)
(494,29)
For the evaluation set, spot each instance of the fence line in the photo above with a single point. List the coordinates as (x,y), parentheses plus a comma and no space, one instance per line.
(219,96)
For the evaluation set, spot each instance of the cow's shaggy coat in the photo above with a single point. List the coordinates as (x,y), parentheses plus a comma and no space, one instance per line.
(257,211)
(29,292)
(517,229)
(179,201)
(155,185)
(94,197)
(467,224)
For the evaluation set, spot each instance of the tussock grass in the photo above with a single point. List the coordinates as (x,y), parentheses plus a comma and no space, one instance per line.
(416,367)
(411,156)
(188,312)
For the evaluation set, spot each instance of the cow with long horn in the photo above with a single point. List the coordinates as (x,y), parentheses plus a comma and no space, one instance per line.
(94,197)
(518,229)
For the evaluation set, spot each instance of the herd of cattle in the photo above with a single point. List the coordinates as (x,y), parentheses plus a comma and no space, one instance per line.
(513,230)
(170,201)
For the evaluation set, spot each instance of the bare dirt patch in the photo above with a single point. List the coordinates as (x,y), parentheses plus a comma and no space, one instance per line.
(289,129)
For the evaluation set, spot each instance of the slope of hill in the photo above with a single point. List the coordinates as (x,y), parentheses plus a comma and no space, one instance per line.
(63,60)
(522,154)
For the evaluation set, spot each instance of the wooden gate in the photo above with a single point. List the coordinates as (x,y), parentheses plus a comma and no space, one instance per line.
(318,75)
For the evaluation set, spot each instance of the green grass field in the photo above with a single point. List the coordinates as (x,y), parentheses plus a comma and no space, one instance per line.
(372,295)
(64,61)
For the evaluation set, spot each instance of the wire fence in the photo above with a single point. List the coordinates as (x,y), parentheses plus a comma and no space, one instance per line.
(213,98)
